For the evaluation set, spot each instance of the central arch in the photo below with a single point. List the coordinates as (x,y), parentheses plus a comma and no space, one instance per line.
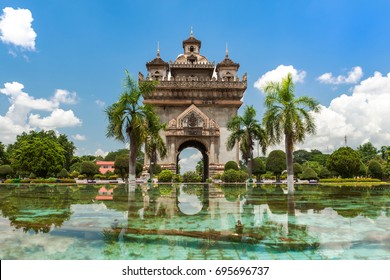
(201,148)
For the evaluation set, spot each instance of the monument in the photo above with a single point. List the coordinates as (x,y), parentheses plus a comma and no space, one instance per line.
(196,98)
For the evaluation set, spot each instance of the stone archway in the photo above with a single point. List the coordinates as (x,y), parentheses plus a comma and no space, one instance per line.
(201,148)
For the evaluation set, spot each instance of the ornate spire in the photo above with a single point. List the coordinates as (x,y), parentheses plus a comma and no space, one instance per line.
(158,49)
(192,33)
(227,51)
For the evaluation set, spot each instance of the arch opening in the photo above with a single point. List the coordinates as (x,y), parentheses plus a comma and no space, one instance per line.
(204,156)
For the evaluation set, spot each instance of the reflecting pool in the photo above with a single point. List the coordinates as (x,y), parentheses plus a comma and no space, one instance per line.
(182,221)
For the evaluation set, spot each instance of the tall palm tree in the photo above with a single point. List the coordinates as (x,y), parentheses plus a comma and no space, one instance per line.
(289,116)
(154,144)
(245,130)
(127,118)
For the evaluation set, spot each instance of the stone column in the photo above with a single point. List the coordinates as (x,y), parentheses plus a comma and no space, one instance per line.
(212,151)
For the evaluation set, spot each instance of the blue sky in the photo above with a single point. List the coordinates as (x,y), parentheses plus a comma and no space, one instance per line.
(62,62)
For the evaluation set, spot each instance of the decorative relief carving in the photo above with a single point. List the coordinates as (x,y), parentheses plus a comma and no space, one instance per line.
(192,122)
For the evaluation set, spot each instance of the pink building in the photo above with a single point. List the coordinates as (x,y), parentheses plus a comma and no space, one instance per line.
(105,166)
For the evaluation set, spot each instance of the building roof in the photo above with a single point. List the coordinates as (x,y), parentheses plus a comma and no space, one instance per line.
(192,40)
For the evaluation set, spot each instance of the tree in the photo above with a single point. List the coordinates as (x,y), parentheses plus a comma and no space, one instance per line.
(276,163)
(127,118)
(5,171)
(367,152)
(63,173)
(69,149)
(3,155)
(288,116)
(375,169)
(89,168)
(199,168)
(154,144)
(231,165)
(245,130)
(258,167)
(301,156)
(309,174)
(297,169)
(37,152)
(345,161)
(122,165)
(111,156)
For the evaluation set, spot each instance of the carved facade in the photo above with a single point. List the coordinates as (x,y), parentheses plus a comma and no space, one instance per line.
(196,98)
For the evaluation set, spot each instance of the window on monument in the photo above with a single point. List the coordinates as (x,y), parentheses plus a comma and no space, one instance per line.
(192,49)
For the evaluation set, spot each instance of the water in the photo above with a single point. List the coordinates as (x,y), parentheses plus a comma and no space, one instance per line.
(194,222)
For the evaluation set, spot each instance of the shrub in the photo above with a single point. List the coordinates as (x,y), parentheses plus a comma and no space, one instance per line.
(69,181)
(113,177)
(98,176)
(81,177)
(63,173)
(177,178)
(232,175)
(231,165)
(217,176)
(309,174)
(165,176)
(191,176)
(375,169)
(5,170)
(349,180)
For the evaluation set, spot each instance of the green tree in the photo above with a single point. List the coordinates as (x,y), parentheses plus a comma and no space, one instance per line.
(154,144)
(309,174)
(385,153)
(258,167)
(324,173)
(122,165)
(199,168)
(246,130)
(231,165)
(111,156)
(191,176)
(301,156)
(3,154)
(289,116)
(127,118)
(5,171)
(63,173)
(69,149)
(89,168)
(276,163)
(37,152)
(375,169)
(297,169)
(367,152)
(345,161)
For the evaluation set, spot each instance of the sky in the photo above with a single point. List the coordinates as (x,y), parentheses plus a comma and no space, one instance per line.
(63,62)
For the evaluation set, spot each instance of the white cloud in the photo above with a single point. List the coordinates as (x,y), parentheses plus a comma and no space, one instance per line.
(190,159)
(100,103)
(65,97)
(278,74)
(79,137)
(362,117)
(100,152)
(353,77)
(57,119)
(20,116)
(16,29)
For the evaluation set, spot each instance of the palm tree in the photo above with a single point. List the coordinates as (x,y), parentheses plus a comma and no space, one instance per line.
(154,144)
(127,118)
(245,130)
(288,116)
